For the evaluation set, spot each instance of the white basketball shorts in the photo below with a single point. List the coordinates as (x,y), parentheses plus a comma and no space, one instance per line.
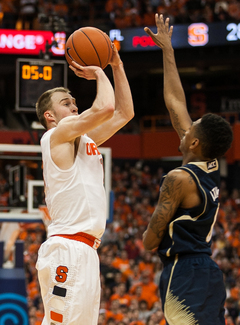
(69,277)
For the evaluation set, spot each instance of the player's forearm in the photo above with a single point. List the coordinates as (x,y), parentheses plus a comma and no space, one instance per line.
(173,90)
(174,95)
(105,93)
(123,96)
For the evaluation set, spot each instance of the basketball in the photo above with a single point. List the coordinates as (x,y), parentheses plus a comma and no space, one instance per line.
(89,46)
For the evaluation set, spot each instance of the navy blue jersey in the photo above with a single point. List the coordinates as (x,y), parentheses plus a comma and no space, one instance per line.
(190,230)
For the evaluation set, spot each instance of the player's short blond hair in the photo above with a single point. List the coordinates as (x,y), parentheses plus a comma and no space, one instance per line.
(44,103)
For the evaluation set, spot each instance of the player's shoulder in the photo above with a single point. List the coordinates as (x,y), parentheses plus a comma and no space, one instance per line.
(62,131)
(46,136)
(179,178)
(178,173)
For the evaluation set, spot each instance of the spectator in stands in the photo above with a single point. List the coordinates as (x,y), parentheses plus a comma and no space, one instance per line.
(238,320)
(121,262)
(61,10)
(146,264)
(229,320)
(110,235)
(182,17)
(234,10)
(120,14)
(76,15)
(8,14)
(135,21)
(207,14)
(101,319)
(147,288)
(133,275)
(148,16)
(120,19)
(28,11)
(144,311)
(114,312)
(221,11)
(131,248)
(231,309)
(135,318)
(121,294)
(111,321)
(108,270)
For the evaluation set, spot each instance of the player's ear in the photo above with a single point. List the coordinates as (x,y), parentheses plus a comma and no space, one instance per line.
(194,143)
(49,116)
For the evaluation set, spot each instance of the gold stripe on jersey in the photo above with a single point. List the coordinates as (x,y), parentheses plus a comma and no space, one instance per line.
(209,236)
(175,311)
(187,217)
(205,195)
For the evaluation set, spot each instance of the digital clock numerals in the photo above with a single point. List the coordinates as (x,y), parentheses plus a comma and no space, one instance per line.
(32,72)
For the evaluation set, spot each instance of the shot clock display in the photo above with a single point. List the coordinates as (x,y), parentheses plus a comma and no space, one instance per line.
(32,72)
(33,77)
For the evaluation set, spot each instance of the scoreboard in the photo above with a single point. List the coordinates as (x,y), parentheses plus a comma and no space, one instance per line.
(35,76)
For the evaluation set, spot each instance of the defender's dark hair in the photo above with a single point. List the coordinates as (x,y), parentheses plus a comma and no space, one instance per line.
(215,135)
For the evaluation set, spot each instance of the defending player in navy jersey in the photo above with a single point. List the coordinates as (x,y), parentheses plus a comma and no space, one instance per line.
(191,285)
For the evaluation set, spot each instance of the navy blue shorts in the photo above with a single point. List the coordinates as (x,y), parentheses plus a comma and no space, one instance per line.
(192,291)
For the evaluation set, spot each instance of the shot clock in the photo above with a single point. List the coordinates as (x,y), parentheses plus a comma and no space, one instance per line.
(33,77)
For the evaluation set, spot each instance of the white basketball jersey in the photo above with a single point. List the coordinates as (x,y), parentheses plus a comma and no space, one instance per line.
(75,197)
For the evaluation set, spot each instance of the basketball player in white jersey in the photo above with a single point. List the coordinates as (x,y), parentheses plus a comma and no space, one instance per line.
(68,264)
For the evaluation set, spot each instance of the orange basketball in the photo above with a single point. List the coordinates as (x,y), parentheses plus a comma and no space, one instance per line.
(89,46)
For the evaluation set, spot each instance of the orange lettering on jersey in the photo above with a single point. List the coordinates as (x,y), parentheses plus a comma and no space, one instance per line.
(94,149)
(198,34)
(61,273)
(88,149)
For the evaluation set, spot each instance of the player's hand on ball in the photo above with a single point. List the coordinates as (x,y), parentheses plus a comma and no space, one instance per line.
(89,46)
(115,60)
(86,72)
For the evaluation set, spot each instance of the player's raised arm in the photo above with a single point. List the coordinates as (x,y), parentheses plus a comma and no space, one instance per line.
(101,110)
(173,91)
(124,108)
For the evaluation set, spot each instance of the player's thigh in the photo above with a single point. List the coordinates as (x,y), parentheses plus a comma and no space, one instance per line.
(69,278)
(192,290)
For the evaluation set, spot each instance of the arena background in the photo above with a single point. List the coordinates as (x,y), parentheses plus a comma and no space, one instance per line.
(210,74)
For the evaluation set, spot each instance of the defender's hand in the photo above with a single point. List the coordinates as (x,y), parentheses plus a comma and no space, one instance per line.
(164,33)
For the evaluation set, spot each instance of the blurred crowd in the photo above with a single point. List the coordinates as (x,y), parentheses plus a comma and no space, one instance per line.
(68,15)
(129,274)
